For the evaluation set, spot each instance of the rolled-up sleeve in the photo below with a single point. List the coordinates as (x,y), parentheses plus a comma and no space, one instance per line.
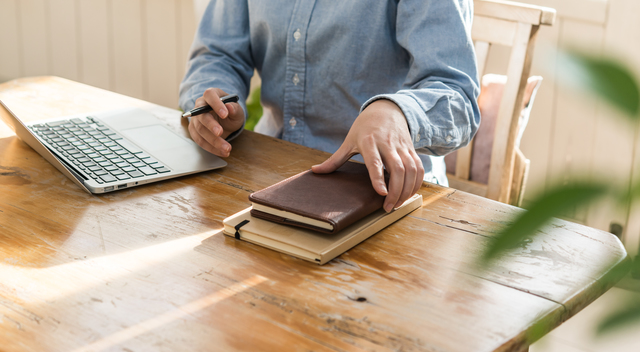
(220,55)
(439,95)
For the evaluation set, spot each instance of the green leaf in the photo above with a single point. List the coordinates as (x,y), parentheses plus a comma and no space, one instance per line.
(604,77)
(553,203)
(254,110)
(629,315)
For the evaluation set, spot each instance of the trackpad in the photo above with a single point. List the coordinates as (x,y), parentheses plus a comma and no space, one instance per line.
(155,138)
(175,152)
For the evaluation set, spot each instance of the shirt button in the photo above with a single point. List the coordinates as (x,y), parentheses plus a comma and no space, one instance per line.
(448,139)
(297,34)
(296,79)
(418,137)
(293,122)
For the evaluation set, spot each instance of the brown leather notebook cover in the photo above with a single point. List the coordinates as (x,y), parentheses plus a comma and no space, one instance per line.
(338,199)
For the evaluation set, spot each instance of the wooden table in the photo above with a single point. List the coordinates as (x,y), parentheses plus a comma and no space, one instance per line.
(126,271)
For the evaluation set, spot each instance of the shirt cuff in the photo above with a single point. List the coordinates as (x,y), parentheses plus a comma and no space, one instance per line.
(423,134)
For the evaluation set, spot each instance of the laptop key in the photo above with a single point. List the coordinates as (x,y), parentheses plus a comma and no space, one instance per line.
(107,178)
(128,169)
(101,173)
(162,170)
(147,171)
(84,159)
(117,172)
(111,168)
(105,164)
(150,161)
(156,166)
(77,121)
(136,174)
(123,177)
(56,123)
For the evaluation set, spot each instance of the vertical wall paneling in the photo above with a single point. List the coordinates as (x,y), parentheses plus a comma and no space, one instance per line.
(575,117)
(10,34)
(623,33)
(95,68)
(64,39)
(127,47)
(536,141)
(187,30)
(36,56)
(161,52)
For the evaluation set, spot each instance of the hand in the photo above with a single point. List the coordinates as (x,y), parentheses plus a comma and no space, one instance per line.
(210,130)
(381,135)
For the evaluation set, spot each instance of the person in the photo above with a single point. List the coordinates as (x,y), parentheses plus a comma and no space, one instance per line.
(394,81)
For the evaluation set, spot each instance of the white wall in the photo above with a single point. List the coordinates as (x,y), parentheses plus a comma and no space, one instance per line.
(572,136)
(133,47)
(139,48)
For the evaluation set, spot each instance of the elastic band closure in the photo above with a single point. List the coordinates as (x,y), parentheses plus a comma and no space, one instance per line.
(237,227)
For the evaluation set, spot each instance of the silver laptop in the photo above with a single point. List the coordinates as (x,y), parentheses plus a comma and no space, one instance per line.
(107,151)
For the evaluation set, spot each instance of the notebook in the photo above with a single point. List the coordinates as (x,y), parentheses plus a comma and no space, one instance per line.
(111,150)
(310,245)
(320,202)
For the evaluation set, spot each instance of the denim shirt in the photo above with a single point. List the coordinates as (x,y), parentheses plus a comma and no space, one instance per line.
(322,62)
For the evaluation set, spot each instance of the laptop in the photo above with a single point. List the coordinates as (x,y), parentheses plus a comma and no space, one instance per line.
(115,149)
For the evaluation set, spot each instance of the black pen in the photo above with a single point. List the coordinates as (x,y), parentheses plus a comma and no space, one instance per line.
(231,98)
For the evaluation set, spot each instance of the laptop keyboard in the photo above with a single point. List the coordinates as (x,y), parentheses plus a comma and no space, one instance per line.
(98,151)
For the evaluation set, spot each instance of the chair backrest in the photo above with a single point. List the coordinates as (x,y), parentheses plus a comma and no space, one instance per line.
(515,25)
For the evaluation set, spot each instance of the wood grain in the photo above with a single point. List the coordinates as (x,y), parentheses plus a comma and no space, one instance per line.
(129,269)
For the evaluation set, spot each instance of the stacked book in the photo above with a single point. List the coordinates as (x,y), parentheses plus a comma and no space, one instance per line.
(316,217)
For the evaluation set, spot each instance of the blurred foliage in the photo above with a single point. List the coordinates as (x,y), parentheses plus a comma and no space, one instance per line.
(254,110)
(616,85)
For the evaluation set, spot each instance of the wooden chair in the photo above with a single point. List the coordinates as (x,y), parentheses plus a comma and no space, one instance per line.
(515,25)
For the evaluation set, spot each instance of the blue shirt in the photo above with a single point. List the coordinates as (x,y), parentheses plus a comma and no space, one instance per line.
(322,62)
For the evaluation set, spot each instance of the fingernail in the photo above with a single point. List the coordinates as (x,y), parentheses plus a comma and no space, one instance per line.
(222,112)
(226,148)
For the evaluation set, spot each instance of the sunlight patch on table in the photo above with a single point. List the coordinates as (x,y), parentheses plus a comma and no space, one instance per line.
(171,316)
(59,281)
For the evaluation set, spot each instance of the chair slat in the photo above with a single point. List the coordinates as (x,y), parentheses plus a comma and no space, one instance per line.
(524,13)
(502,154)
(482,52)
(493,30)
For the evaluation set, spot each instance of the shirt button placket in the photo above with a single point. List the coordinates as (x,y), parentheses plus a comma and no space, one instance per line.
(293,109)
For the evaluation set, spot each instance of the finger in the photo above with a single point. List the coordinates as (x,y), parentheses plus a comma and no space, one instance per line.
(199,140)
(208,121)
(374,164)
(334,161)
(212,98)
(395,168)
(419,172)
(410,171)
(200,102)
(208,140)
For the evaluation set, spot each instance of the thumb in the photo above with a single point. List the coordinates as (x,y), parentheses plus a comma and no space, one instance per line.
(334,162)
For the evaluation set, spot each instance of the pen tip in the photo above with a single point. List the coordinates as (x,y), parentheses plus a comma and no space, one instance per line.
(186,114)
